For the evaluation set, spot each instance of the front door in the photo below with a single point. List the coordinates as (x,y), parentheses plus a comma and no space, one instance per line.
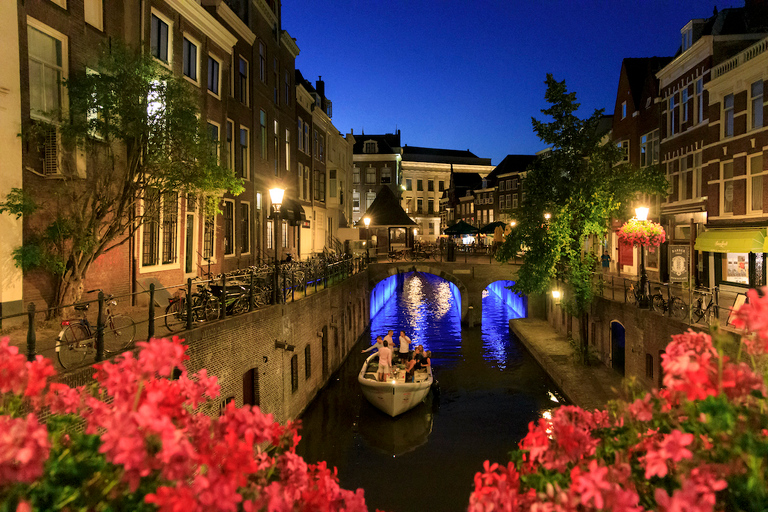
(189,239)
(617,346)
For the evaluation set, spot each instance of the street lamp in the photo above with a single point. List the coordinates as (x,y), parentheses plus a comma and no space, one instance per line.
(547,216)
(513,223)
(641,213)
(276,196)
(367,222)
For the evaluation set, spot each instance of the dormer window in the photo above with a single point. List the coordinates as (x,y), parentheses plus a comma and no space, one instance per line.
(485,183)
(686,35)
(371,146)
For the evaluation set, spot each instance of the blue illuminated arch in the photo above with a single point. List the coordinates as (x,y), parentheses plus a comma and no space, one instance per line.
(517,303)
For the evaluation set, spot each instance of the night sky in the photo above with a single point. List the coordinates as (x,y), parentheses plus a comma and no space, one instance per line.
(469,74)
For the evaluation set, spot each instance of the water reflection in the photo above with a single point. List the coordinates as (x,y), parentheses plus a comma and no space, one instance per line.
(425,459)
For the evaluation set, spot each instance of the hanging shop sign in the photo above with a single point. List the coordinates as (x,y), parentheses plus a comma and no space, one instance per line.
(679,261)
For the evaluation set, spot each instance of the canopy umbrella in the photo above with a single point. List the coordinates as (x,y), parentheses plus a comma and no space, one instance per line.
(490,229)
(461,228)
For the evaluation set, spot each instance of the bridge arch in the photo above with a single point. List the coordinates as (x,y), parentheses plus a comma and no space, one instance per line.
(376,275)
(518,303)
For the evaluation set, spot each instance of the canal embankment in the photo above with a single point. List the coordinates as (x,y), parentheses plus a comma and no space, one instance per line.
(589,387)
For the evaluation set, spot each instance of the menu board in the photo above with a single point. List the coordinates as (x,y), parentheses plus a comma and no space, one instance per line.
(736,267)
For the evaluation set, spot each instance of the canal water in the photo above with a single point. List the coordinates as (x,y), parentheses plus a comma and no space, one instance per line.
(490,388)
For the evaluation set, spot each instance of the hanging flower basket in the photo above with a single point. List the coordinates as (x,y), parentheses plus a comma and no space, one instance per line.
(642,232)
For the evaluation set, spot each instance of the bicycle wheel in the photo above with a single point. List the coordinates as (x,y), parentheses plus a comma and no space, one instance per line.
(678,309)
(176,315)
(71,346)
(658,303)
(119,333)
(697,313)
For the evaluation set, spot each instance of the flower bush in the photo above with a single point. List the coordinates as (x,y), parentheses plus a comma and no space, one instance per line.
(642,232)
(137,440)
(700,444)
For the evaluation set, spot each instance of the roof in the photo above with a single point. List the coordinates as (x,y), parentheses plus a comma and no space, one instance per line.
(750,19)
(386,143)
(467,180)
(638,71)
(386,211)
(447,156)
(511,164)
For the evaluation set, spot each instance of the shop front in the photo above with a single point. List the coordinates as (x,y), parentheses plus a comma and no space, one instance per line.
(737,256)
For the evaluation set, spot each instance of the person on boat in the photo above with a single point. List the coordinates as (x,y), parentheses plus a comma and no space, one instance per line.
(404,350)
(385,362)
(416,363)
(428,359)
(378,345)
(388,338)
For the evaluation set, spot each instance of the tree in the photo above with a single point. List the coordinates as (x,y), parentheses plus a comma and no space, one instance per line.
(580,183)
(135,140)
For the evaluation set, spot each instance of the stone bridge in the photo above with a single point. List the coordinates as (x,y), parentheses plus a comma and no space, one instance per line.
(470,278)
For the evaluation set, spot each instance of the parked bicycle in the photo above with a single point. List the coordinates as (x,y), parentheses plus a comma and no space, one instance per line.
(396,255)
(674,306)
(710,311)
(633,295)
(77,338)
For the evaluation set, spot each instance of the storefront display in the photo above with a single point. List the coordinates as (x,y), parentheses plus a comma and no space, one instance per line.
(736,267)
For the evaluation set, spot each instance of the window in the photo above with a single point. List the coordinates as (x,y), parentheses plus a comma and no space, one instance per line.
(47,67)
(419,186)
(430,206)
(229,227)
(440,186)
(262,62)
(287,149)
(370,176)
(419,205)
(160,38)
(755,183)
(263,121)
(355,175)
(697,175)
(319,185)
(214,76)
(699,100)
(284,233)
(94,13)
(287,89)
(355,201)
(672,115)
(624,147)
(756,104)
(514,185)
(300,141)
(189,58)
(649,366)
(726,199)
(306,139)
(370,147)
(294,373)
(209,230)
(276,145)
(687,38)
(686,179)
(386,176)
(275,81)
(684,103)
(514,200)
(673,171)
(306,183)
(332,183)
(160,223)
(270,234)
(245,228)
(728,116)
(623,109)
(408,184)
(243,80)
(230,145)
(316,145)
(322,148)
(369,197)
(307,362)
(649,149)
(430,185)
(245,158)
(213,136)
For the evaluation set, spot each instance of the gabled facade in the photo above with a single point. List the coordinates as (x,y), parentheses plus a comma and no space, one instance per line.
(508,177)
(376,164)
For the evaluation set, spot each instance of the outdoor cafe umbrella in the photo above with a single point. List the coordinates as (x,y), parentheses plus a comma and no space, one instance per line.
(490,229)
(461,228)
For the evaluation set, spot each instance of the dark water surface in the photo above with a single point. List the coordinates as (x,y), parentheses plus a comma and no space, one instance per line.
(426,459)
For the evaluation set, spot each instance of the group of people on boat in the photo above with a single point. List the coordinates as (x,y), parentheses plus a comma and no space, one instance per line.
(412,361)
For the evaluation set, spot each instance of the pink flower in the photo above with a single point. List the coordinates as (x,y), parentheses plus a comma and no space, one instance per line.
(642,410)
(591,484)
(24,448)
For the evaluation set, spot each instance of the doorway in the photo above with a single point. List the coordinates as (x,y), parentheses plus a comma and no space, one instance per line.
(617,346)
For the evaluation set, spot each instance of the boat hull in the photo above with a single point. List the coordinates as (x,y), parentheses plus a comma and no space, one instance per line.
(394,396)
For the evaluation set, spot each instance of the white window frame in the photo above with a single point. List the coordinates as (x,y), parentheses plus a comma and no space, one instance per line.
(94,13)
(218,141)
(698,94)
(684,103)
(356,197)
(270,234)
(245,165)
(300,139)
(186,37)
(672,117)
(750,179)
(698,176)
(726,112)
(245,96)
(723,181)
(63,69)
(284,233)
(218,78)
(233,243)
(160,16)
(262,62)
(179,260)
(752,109)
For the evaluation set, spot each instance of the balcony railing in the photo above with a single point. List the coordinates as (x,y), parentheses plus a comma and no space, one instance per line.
(748,54)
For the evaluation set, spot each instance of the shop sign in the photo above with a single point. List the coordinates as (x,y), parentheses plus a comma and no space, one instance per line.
(305,224)
(679,260)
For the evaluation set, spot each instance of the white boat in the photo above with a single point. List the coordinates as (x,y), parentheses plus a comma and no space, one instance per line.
(394,396)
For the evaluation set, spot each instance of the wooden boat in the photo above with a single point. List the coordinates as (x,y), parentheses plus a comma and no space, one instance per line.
(394,396)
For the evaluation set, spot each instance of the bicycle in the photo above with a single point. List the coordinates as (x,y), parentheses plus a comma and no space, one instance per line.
(633,294)
(675,306)
(698,311)
(78,337)
(396,255)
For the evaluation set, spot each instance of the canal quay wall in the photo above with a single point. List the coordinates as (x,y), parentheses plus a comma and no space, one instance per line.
(277,357)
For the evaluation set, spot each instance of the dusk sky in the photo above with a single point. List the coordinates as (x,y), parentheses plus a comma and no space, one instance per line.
(460,74)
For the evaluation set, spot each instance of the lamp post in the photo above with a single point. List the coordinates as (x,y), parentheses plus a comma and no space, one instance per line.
(276,196)
(641,213)
(367,222)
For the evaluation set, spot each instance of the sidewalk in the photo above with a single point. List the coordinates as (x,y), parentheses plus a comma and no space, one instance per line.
(589,387)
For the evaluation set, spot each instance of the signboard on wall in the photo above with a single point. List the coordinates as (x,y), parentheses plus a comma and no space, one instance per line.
(679,263)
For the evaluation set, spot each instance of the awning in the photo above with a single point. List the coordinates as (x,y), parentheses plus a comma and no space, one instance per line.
(732,240)
(291,211)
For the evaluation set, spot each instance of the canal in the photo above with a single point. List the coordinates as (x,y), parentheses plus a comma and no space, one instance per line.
(490,388)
